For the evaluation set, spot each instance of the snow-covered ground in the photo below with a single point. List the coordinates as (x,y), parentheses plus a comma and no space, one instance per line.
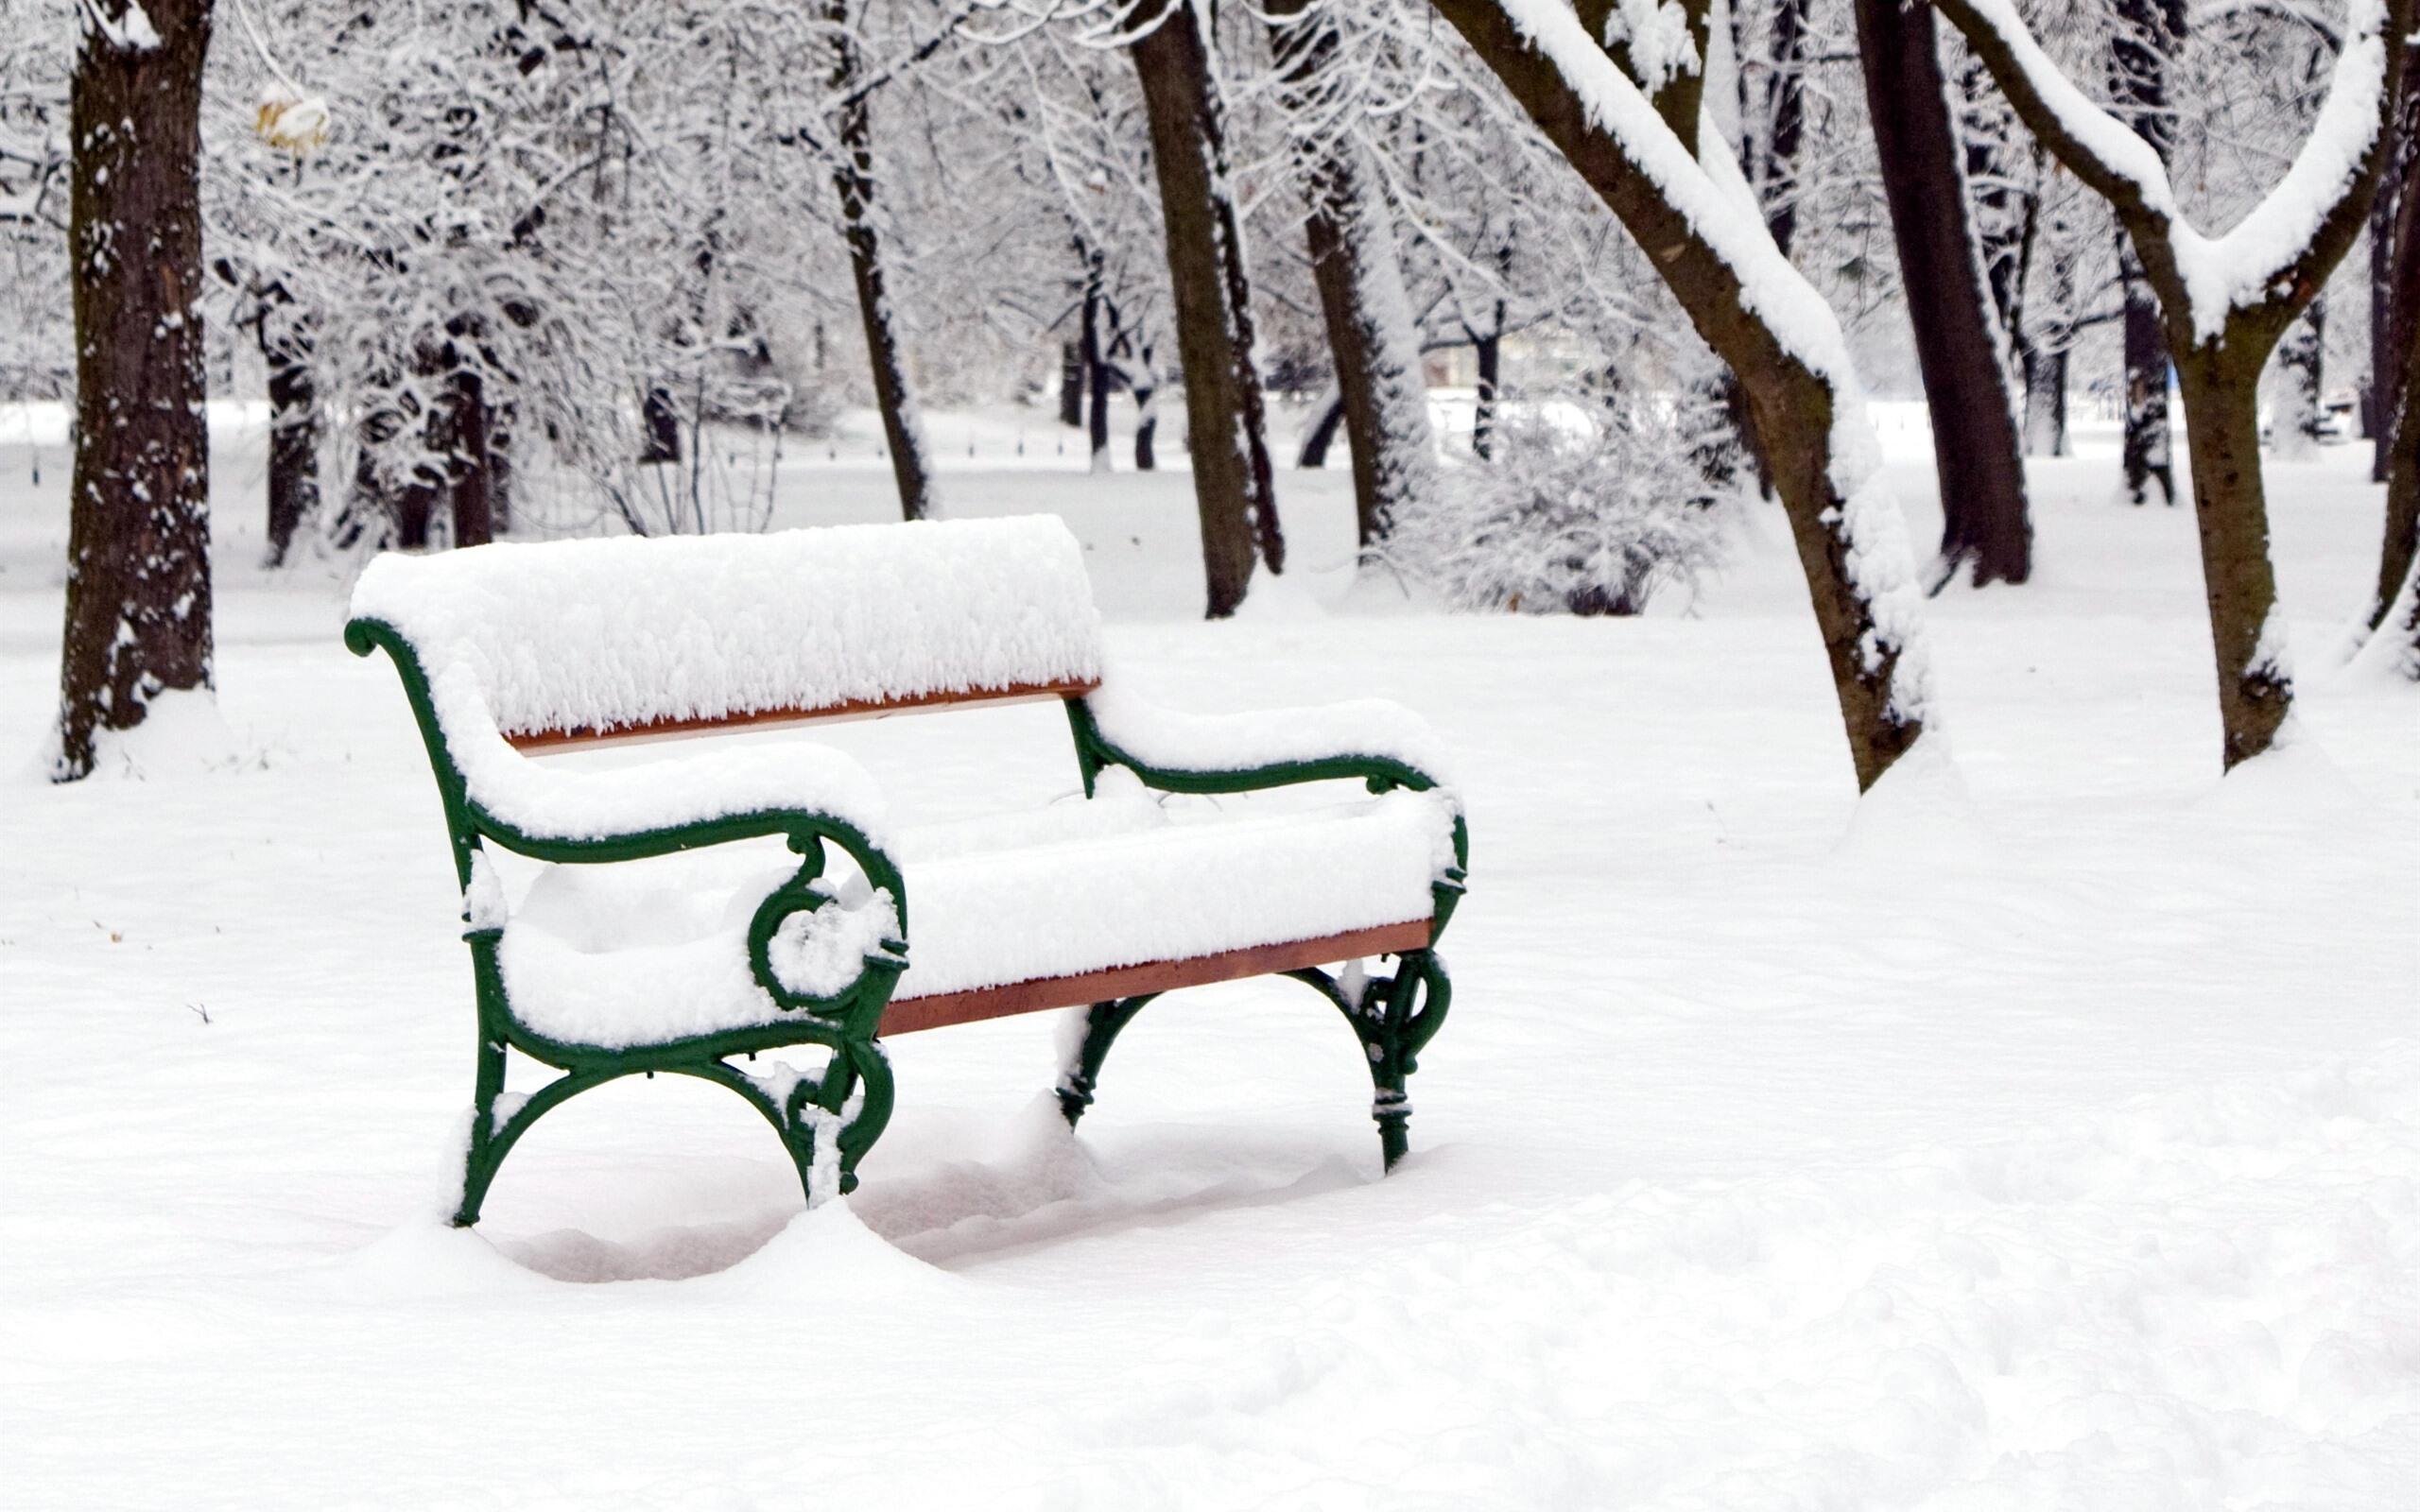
(2044,1134)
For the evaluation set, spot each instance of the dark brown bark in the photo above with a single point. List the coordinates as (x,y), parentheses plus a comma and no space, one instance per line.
(2381,393)
(288,347)
(1975,457)
(1321,434)
(1791,406)
(659,428)
(2219,371)
(853,176)
(1232,482)
(138,621)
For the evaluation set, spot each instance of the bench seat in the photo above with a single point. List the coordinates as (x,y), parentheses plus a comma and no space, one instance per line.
(1004,908)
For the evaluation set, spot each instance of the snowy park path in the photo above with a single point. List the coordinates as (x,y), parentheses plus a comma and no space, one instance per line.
(2053,1143)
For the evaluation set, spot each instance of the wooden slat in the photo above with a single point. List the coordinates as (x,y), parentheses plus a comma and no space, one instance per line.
(860,709)
(1152,976)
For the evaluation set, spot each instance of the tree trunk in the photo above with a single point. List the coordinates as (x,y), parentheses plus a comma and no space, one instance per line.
(1071,380)
(2401,543)
(2379,392)
(1489,349)
(1146,428)
(2046,400)
(1777,186)
(1232,483)
(288,347)
(1353,266)
(467,422)
(2294,427)
(659,428)
(1096,362)
(1857,582)
(138,621)
(2222,389)
(1322,432)
(1975,457)
(2148,34)
(852,175)
(2144,448)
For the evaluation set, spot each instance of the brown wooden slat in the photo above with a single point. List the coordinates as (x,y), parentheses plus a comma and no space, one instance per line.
(1151,976)
(858,709)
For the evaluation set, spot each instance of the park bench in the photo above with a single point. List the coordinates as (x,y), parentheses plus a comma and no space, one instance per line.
(685,914)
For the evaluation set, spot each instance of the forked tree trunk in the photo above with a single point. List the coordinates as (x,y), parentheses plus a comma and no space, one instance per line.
(852,175)
(1352,243)
(2148,35)
(1975,457)
(1857,583)
(138,621)
(2221,348)
(1232,484)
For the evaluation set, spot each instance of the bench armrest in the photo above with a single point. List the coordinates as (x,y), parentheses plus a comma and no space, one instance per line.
(1375,740)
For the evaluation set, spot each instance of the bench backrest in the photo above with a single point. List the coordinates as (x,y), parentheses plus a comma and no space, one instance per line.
(580,641)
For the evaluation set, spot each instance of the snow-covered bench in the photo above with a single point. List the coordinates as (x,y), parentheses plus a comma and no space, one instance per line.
(704,940)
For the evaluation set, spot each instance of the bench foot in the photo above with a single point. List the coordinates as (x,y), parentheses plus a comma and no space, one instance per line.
(1392,1016)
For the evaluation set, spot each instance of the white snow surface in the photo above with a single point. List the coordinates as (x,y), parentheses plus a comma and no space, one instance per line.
(2051,1141)
(600,633)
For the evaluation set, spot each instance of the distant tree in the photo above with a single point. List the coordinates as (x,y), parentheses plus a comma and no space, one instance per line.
(138,546)
(2142,51)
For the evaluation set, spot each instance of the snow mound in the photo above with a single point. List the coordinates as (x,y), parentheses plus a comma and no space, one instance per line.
(182,734)
(1918,816)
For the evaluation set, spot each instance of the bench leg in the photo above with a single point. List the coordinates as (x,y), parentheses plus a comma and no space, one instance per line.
(1080,1070)
(1394,1017)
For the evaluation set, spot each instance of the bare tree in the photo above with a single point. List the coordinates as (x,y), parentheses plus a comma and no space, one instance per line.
(1351,235)
(1631,131)
(138,562)
(1227,429)
(2223,302)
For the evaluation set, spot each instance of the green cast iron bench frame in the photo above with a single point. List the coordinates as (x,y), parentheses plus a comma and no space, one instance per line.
(828,1122)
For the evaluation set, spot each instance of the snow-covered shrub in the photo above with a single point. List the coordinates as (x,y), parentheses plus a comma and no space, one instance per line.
(1590,506)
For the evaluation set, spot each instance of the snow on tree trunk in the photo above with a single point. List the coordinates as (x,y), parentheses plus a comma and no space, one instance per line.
(1353,266)
(1232,483)
(2224,301)
(2293,426)
(1786,122)
(138,620)
(1976,455)
(852,175)
(1713,249)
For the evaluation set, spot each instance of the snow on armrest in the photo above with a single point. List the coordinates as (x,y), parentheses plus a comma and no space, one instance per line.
(1165,738)
(544,802)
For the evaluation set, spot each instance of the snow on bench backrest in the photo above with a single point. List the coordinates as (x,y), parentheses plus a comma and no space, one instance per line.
(575,640)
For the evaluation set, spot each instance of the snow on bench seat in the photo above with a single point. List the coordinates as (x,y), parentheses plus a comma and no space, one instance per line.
(647,951)
(579,639)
